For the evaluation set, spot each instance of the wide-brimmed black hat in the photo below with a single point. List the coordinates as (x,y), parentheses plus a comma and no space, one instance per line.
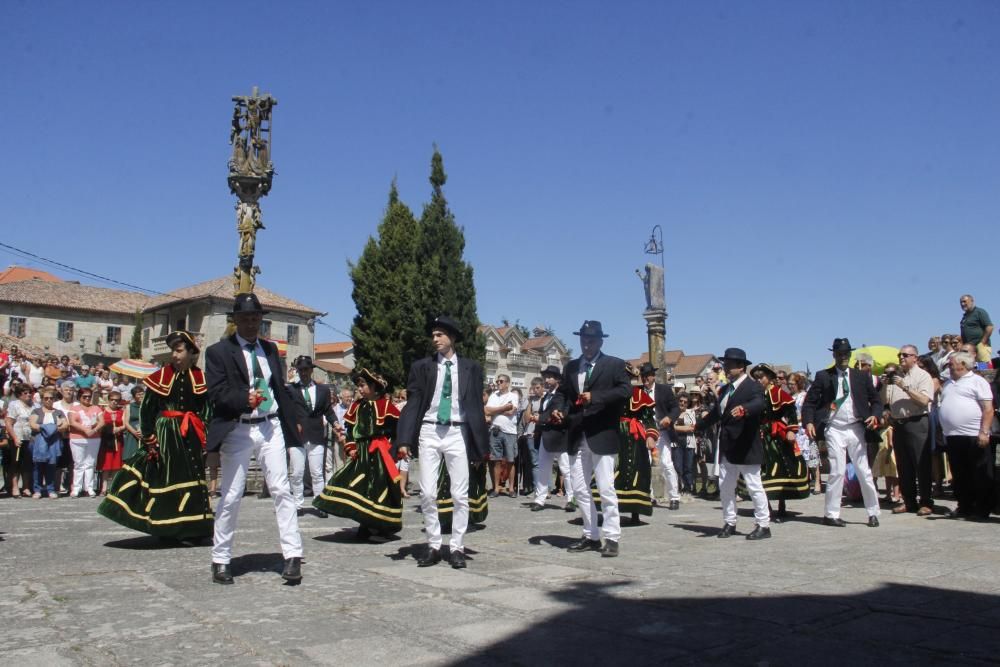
(247,303)
(647,369)
(631,370)
(766,369)
(554,371)
(591,328)
(841,345)
(735,354)
(370,377)
(303,361)
(177,336)
(446,323)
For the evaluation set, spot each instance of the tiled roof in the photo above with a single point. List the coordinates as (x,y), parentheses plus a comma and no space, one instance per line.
(671,357)
(536,343)
(693,364)
(72,295)
(333,367)
(13,274)
(332,348)
(223,288)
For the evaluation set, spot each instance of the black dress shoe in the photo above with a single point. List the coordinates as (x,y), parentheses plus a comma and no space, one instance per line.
(838,522)
(221,574)
(675,505)
(873,522)
(293,570)
(321,514)
(583,544)
(300,512)
(759,533)
(610,549)
(728,530)
(535,507)
(362,534)
(432,557)
(457,560)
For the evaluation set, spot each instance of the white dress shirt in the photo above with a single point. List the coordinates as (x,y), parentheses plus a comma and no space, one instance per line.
(265,369)
(457,414)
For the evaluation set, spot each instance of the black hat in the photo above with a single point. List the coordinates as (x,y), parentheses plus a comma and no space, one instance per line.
(735,354)
(370,377)
(445,323)
(177,336)
(591,328)
(631,370)
(303,361)
(552,370)
(766,369)
(647,369)
(247,303)
(841,345)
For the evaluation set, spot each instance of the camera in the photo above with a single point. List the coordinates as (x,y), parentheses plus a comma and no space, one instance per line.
(889,377)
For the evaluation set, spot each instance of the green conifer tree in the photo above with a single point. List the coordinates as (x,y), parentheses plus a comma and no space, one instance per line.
(135,343)
(447,286)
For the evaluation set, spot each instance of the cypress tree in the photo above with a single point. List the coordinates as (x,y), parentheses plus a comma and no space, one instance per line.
(389,328)
(135,343)
(447,286)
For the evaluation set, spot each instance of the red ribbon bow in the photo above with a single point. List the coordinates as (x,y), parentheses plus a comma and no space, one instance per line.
(635,428)
(188,419)
(382,446)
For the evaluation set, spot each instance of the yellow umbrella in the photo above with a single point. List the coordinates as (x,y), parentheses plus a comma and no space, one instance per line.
(881,356)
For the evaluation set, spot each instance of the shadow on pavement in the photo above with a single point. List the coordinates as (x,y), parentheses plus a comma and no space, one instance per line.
(273,562)
(894,624)
(557,541)
(151,542)
(703,531)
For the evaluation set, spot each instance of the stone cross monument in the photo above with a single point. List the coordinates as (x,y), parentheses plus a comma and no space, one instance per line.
(250,174)
(656,304)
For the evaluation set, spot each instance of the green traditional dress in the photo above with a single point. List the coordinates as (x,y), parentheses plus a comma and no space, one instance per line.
(479,507)
(784,472)
(366,489)
(131,444)
(633,475)
(165,495)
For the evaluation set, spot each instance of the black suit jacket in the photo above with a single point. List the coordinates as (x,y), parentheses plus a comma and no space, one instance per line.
(551,436)
(311,421)
(739,439)
(229,390)
(420,392)
(666,404)
(823,392)
(610,389)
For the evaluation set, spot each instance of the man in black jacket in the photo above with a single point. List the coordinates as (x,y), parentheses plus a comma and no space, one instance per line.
(839,405)
(667,409)
(444,415)
(313,405)
(550,439)
(252,414)
(741,449)
(594,390)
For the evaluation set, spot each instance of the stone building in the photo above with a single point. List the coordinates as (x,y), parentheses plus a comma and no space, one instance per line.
(681,367)
(336,360)
(521,357)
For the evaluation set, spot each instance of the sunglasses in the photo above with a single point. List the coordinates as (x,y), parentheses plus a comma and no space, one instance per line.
(903,355)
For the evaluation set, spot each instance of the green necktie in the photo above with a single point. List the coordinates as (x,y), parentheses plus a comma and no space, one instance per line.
(845,392)
(590,370)
(252,349)
(305,394)
(444,407)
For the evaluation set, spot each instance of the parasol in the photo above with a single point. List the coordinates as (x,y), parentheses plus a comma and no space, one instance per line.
(880,354)
(133,368)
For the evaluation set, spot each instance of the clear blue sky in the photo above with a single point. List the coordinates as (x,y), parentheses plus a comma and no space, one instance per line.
(820,169)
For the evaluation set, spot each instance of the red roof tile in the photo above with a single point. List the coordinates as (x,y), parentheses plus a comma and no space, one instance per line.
(14,274)
(333,367)
(72,295)
(332,348)
(693,364)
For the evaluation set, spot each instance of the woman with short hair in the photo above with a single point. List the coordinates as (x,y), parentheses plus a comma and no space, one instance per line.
(85,423)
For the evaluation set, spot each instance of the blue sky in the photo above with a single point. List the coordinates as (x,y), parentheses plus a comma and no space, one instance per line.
(819,169)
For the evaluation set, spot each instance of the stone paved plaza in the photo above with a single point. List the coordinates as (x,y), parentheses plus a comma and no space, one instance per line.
(80,590)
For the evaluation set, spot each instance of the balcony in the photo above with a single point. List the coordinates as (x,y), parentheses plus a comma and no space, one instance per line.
(492,355)
(524,360)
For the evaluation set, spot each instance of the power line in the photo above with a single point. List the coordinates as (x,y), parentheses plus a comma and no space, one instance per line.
(342,333)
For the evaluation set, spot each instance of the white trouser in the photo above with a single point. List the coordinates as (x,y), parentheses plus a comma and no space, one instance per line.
(545,460)
(729,473)
(667,467)
(584,465)
(437,442)
(334,459)
(842,441)
(297,457)
(84,452)
(267,442)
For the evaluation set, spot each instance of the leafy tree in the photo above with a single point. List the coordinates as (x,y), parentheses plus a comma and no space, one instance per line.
(135,342)
(389,330)
(447,286)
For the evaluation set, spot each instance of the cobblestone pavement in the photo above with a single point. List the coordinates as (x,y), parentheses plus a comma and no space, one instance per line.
(80,590)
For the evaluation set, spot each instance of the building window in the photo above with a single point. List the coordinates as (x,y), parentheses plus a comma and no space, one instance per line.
(265,329)
(181,325)
(114,336)
(145,337)
(18,327)
(293,334)
(65,332)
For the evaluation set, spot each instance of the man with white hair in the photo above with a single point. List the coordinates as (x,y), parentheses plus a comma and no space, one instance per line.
(966,415)
(908,394)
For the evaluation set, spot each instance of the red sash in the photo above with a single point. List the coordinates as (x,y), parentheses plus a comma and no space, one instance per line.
(382,446)
(635,428)
(188,419)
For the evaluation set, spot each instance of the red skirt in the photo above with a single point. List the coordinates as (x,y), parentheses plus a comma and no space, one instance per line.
(110,457)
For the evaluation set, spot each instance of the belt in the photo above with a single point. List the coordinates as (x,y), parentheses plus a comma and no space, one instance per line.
(444,423)
(907,420)
(257,420)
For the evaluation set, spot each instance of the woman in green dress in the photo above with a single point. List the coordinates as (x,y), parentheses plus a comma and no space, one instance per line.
(161,489)
(366,489)
(132,432)
(479,507)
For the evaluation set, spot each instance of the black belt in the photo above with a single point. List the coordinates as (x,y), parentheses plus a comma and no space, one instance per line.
(444,423)
(257,420)
(907,420)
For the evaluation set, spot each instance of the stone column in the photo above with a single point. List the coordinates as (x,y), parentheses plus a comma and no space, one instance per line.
(656,331)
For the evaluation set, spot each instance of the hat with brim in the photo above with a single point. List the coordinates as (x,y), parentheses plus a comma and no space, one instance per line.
(766,369)
(552,371)
(247,303)
(631,370)
(591,328)
(647,369)
(841,345)
(303,361)
(448,325)
(370,377)
(735,354)
(175,337)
